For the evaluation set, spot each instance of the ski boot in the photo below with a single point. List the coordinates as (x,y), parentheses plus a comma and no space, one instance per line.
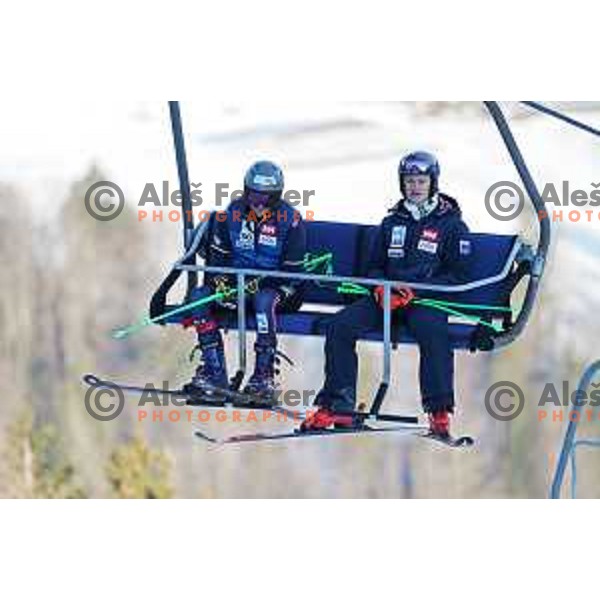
(211,374)
(325,418)
(439,424)
(261,388)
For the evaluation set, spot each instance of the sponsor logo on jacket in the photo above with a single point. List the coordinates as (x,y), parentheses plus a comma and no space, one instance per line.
(246,238)
(430,234)
(430,247)
(269,230)
(398,236)
(267,240)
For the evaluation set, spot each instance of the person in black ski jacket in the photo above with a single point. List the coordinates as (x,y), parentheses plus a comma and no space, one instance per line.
(422,240)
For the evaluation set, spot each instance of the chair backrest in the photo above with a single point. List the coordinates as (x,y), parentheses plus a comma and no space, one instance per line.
(350,243)
(489,256)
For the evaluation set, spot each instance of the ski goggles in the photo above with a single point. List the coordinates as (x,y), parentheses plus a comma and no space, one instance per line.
(259,200)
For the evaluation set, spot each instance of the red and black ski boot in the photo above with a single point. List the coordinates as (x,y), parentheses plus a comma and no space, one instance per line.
(325,418)
(439,424)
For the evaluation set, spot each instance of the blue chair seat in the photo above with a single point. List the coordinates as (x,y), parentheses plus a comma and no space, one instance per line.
(308,323)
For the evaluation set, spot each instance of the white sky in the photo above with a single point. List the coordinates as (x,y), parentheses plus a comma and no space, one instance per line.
(347,152)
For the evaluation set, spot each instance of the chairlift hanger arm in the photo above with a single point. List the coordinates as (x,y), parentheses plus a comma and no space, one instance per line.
(545,232)
(184,186)
(561,117)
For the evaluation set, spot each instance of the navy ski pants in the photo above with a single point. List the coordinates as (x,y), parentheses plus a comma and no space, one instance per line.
(431,331)
(264,305)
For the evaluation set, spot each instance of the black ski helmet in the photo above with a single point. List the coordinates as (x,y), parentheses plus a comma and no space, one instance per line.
(266,178)
(420,163)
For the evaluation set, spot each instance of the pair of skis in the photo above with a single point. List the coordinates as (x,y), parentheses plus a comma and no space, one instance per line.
(213,398)
(254,438)
(210,397)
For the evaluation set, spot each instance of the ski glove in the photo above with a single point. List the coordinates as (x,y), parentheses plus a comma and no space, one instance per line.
(401,297)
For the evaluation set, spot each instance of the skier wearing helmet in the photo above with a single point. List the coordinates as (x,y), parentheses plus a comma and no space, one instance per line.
(420,241)
(260,232)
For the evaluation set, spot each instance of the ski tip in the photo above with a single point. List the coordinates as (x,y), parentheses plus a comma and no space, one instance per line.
(465,441)
(91,380)
(207,438)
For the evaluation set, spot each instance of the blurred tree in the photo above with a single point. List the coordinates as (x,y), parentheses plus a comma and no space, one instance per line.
(135,471)
(16,301)
(98,284)
(102,278)
(35,465)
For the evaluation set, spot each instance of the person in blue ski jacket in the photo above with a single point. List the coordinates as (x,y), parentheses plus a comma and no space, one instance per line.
(422,240)
(260,232)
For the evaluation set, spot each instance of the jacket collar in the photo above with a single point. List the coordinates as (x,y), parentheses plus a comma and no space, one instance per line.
(444,206)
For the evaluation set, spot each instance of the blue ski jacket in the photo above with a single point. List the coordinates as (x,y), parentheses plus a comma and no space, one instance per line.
(239,239)
(434,250)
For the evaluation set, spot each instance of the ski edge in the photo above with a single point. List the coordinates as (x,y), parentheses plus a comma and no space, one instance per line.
(298,435)
(227,404)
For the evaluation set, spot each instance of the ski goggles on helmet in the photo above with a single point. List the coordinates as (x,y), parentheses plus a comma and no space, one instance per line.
(416,166)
